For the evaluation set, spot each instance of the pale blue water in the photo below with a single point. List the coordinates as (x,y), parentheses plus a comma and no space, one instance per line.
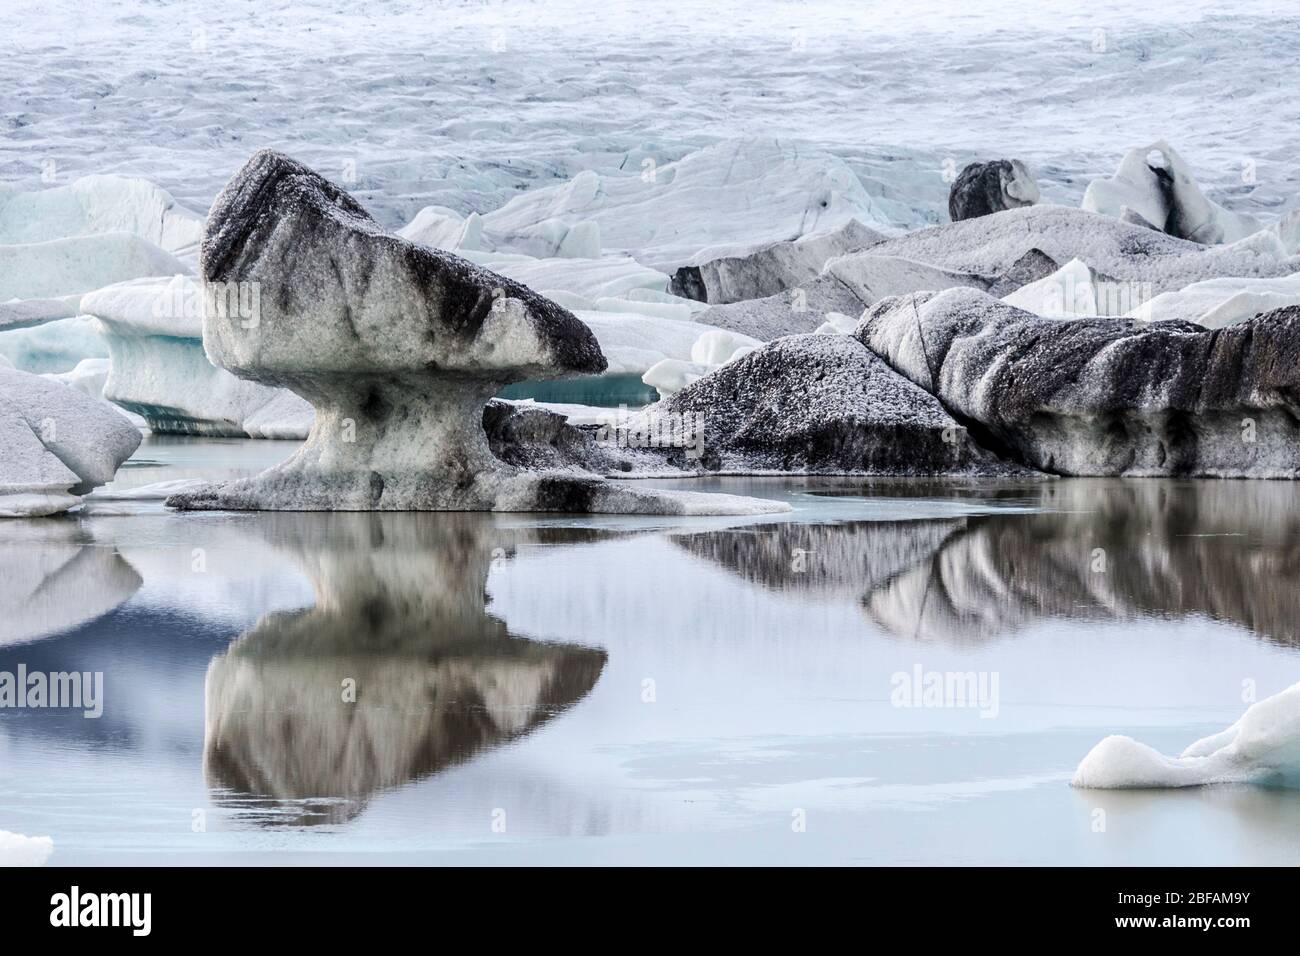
(551,689)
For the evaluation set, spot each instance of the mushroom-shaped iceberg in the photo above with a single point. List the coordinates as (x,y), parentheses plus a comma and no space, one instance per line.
(398,347)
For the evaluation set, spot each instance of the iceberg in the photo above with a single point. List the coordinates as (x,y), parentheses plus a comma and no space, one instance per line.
(19,850)
(1164,196)
(991,245)
(1074,291)
(1219,303)
(1262,747)
(1103,396)
(982,189)
(79,264)
(398,347)
(54,347)
(711,350)
(98,204)
(59,443)
(701,207)
(154,331)
(771,269)
(810,404)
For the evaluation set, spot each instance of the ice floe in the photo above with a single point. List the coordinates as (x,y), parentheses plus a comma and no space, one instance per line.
(1218,303)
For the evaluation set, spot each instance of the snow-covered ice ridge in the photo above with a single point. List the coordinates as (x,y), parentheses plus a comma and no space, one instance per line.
(392,96)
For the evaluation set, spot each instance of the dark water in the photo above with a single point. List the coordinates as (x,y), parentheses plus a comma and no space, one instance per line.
(516,688)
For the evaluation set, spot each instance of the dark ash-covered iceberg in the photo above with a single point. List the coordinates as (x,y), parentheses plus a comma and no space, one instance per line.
(398,347)
(1104,396)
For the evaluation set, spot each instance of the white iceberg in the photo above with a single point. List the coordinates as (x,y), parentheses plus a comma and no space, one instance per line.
(606,277)
(22,313)
(990,246)
(57,346)
(703,207)
(1154,185)
(98,204)
(1218,303)
(712,350)
(87,376)
(1262,747)
(59,443)
(441,228)
(837,323)
(19,850)
(1073,291)
(154,331)
(633,342)
(80,264)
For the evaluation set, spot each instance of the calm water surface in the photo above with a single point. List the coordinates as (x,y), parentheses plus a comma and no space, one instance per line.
(429,688)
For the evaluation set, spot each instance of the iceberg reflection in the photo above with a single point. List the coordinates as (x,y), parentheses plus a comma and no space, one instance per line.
(1096,550)
(398,672)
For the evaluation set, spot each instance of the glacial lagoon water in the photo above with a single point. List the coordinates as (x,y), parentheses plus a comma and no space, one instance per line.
(462,688)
